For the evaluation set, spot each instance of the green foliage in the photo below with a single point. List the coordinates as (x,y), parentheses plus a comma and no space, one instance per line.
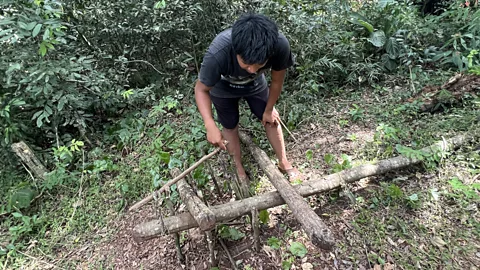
(274,242)
(338,166)
(298,249)
(429,158)
(461,27)
(264,216)
(230,233)
(463,191)
(356,113)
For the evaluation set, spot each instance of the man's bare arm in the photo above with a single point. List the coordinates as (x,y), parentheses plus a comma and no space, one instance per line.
(204,104)
(275,88)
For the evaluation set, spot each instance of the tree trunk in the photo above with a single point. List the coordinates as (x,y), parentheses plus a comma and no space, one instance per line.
(28,157)
(204,217)
(231,210)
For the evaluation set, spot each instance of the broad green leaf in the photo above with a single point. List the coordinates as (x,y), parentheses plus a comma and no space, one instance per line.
(393,47)
(17,215)
(329,158)
(264,216)
(377,38)
(22,25)
(30,26)
(43,50)
(39,120)
(165,157)
(46,34)
(37,114)
(232,233)
(61,103)
(298,249)
(236,234)
(17,102)
(367,25)
(48,110)
(22,198)
(36,30)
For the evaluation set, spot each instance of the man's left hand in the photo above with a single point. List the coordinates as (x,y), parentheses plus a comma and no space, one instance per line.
(271,118)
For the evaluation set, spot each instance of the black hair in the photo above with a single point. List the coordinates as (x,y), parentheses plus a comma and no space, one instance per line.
(254,37)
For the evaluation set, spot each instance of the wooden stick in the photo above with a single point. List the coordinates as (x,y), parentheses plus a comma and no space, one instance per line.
(256,229)
(284,126)
(211,248)
(316,229)
(235,209)
(232,261)
(173,181)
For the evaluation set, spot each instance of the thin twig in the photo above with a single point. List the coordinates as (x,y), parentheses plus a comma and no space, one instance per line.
(228,253)
(256,229)
(31,175)
(37,259)
(281,122)
(145,62)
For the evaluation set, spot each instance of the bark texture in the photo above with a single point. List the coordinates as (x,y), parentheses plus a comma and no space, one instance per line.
(26,154)
(204,217)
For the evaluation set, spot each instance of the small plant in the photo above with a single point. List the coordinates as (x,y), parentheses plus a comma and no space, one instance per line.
(343,122)
(309,154)
(274,242)
(385,133)
(466,192)
(353,137)
(336,166)
(356,113)
(298,249)
(230,233)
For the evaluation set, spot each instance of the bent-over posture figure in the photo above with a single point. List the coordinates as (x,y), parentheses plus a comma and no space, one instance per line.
(233,68)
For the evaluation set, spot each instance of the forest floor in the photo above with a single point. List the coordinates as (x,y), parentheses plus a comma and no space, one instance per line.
(422,217)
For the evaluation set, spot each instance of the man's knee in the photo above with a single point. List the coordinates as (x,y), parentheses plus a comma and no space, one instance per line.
(230,130)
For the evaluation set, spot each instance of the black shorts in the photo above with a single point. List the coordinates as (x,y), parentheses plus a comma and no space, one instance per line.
(227,108)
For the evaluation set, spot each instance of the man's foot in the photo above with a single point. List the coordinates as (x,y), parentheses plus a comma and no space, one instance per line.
(293,174)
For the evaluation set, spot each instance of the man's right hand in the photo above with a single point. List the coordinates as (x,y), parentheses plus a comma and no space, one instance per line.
(214,136)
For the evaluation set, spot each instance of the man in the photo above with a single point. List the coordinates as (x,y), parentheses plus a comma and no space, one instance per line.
(232,69)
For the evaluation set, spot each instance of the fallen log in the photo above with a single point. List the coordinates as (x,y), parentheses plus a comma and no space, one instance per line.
(204,217)
(26,154)
(313,225)
(235,209)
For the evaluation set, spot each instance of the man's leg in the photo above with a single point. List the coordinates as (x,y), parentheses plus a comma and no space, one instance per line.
(257,104)
(228,116)
(275,137)
(231,135)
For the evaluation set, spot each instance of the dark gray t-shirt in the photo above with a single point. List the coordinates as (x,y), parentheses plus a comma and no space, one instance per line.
(220,68)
